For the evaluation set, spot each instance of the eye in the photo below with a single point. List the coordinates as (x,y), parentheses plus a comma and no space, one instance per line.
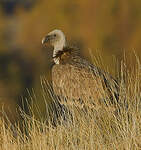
(54,35)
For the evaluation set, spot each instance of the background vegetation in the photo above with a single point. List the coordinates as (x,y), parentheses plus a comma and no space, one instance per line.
(102,128)
(110,29)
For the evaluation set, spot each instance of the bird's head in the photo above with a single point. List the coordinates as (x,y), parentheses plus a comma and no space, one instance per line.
(56,38)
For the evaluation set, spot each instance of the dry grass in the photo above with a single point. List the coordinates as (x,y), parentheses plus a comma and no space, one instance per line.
(98,129)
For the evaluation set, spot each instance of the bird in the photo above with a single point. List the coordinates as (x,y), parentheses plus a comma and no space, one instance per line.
(74,79)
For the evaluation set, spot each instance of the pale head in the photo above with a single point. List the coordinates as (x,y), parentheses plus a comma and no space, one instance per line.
(57,39)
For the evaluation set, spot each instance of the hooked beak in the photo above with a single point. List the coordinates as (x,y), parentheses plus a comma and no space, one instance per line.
(46,39)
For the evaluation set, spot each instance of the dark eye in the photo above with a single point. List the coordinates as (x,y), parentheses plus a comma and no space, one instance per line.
(54,35)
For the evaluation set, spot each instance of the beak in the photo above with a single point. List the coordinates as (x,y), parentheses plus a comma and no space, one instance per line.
(46,39)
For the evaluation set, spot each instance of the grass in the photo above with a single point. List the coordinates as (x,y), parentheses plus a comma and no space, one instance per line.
(98,129)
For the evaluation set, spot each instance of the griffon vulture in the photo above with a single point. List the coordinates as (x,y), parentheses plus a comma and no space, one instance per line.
(75,80)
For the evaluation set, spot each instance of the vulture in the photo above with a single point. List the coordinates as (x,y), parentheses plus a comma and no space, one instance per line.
(74,79)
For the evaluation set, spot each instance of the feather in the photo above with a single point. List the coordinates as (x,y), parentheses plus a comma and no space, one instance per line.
(76,80)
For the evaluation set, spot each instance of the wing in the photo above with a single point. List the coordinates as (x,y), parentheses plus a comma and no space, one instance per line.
(78,79)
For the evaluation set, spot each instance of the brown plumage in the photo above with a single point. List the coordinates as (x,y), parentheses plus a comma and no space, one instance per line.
(77,81)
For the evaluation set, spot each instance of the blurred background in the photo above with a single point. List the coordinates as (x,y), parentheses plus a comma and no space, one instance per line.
(111,28)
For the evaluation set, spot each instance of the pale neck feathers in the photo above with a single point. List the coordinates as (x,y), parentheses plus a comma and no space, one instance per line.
(58,46)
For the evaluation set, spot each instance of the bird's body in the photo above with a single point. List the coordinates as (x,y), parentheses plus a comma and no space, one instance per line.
(77,81)
(80,82)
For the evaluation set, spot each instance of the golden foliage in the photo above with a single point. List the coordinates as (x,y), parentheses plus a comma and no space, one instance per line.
(111,27)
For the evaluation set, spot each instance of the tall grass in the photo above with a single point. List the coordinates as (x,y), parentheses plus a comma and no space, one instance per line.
(77,129)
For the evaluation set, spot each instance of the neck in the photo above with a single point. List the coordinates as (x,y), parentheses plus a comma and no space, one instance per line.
(57,48)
